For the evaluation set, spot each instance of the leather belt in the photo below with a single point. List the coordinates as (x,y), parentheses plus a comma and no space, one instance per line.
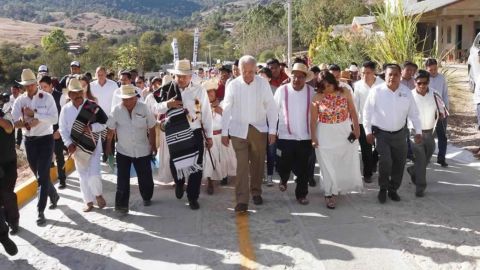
(377,129)
(217,132)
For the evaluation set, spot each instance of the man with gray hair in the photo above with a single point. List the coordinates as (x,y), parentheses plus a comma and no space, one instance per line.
(248,102)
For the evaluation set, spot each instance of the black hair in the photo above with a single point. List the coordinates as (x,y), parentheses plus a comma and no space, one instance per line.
(235,63)
(392,66)
(266,71)
(410,64)
(334,67)
(141,77)
(422,74)
(46,79)
(272,62)
(127,73)
(369,64)
(431,62)
(354,64)
(200,69)
(327,77)
(315,69)
(299,60)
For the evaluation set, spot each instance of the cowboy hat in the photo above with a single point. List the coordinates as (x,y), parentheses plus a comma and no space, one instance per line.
(74,85)
(302,68)
(345,76)
(127,91)
(323,66)
(211,84)
(182,67)
(28,77)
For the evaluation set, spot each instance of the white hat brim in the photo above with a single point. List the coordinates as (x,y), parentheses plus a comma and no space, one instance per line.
(25,83)
(180,72)
(122,96)
(74,90)
(310,75)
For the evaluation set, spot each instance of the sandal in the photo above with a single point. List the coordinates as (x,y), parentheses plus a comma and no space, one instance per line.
(303,201)
(330,201)
(88,207)
(282,187)
(101,202)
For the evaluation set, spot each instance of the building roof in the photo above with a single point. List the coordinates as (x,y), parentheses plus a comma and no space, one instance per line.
(428,5)
(363,20)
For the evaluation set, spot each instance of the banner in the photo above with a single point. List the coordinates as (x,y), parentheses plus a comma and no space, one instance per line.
(196,38)
(175,50)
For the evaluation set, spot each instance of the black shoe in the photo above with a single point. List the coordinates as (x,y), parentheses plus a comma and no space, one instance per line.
(241,208)
(412,174)
(442,163)
(14,228)
(62,185)
(367,179)
(224,181)
(382,195)
(9,245)
(121,210)
(147,202)
(312,182)
(374,168)
(54,201)
(420,194)
(393,195)
(41,219)
(194,205)
(179,190)
(257,200)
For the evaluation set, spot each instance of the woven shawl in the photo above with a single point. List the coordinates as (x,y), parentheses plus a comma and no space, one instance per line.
(179,136)
(89,114)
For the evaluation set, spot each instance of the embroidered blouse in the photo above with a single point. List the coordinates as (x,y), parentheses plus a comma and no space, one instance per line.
(333,109)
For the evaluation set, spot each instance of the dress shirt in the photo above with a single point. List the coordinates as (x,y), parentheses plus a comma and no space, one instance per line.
(104,94)
(427,108)
(440,85)
(410,84)
(249,104)
(476,94)
(361,93)
(45,110)
(116,100)
(194,92)
(298,112)
(8,107)
(388,110)
(132,129)
(68,115)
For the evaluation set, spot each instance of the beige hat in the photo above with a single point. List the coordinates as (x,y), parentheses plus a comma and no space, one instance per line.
(302,68)
(74,85)
(345,76)
(323,66)
(166,79)
(127,91)
(182,67)
(28,77)
(211,84)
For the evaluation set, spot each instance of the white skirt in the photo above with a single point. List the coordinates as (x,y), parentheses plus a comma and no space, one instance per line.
(164,172)
(224,159)
(338,159)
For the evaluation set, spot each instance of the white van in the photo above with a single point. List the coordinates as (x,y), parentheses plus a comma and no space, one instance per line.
(474,63)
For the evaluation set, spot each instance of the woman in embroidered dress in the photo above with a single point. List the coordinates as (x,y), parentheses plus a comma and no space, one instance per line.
(223,157)
(332,115)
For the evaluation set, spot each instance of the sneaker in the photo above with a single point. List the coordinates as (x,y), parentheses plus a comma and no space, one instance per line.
(194,204)
(9,245)
(442,163)
(257,200)
(393,195)
(269,181)
(54,201)
(382,195)
(179,190)
(14,228)
(41,219)
(241,208)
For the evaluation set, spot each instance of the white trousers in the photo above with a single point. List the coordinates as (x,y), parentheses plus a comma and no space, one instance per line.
(89,174)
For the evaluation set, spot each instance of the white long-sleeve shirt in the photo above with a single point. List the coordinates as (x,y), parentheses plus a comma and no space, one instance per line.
(248,104)
(294,123)
(361,93)
(388,110)
(439,83)
(427,108)
(189,95)
(104,94)
(68,115)
(45,110)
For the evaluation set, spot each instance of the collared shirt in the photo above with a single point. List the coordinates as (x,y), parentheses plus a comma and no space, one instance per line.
(427,108)
(104,94)
(68,115)
(45,110)
(294,117)
(116,100)
(362,90)
(249,104)
(192,93)
(8,107)
(439,83)
(132,129)
(388,110)
(410,84)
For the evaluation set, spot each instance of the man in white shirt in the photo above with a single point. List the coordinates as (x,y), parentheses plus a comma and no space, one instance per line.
(384,117)
(188,121)
(134,125)
(408,72)
(103,89)
(125,79)
(294,141)
(362,90)
(8,107)
(247,105)
(36,112)
(439,83)
(427,108)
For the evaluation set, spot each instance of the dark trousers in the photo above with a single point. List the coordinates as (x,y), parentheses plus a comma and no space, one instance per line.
(441,131)
(194,179)
(3,225)
(369,157)
(294,158)
(19,137)
(423,152)
(145,179)
(60,159)
(271,157)
(39,155)
(312,160)
(392,153)
(8,197)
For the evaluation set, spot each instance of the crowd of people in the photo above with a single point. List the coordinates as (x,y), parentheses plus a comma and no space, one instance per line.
(222,123)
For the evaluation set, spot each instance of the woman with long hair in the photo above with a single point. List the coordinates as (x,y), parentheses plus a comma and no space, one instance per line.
(333,115)
(85,82)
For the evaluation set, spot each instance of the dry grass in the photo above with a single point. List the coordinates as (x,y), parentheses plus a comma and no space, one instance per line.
(93,22)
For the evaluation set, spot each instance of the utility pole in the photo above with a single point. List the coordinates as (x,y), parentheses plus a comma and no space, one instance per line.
(289,45)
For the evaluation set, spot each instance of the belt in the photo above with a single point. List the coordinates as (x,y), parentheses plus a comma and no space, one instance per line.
(33,138)
(217,132)
(376,129)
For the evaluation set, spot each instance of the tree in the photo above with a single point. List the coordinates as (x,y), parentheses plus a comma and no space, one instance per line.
(55,40)
(126,57)
(97,53)
(150,38)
